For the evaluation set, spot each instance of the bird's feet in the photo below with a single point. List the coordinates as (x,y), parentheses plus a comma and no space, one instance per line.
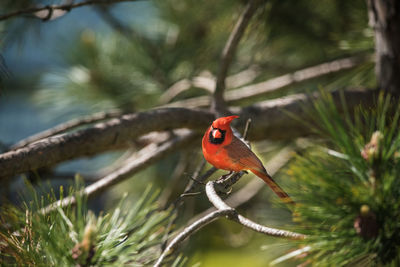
(224,177)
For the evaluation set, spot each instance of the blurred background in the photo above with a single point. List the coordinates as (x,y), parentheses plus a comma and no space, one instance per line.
(132,56)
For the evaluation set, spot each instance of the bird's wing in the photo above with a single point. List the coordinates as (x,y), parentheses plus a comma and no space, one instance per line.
(241,154)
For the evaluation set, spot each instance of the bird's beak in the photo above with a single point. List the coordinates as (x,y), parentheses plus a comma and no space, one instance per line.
(216,133)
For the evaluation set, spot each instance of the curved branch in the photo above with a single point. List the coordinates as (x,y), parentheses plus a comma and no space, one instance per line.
(49,9)
(229,51)
(207,82)
(271,118)
(222,210)
(275,84)
(298,76)
(137,162)
(67,126)
(110,135)
(251,189)
(191,229)
(221,205)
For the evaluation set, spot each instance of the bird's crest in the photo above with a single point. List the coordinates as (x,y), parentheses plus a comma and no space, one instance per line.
(223,122)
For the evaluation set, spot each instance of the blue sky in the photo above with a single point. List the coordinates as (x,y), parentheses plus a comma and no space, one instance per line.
(40,48)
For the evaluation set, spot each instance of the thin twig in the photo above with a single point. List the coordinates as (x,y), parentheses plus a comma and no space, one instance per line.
(246,128)
(191,229)
(207,82)
(224,182)
(228,53)
(221,205)
(222,210)
(134,164)
(63,7)
(251,189)
(302,75)
(275,84)
(178,202)
(195,180)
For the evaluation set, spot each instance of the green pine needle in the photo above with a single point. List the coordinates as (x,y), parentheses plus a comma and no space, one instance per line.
(349,191)
(131,234)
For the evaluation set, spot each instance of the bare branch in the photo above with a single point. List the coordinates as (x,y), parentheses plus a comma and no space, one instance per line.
(50,9)
(221,205)
(246,129)
(271,118)
(229,51)
(191,229)
(251,189)
(243,77)
(67,126)
(222,210)
(112,134)
(275,84)
(208,83)
(133,164)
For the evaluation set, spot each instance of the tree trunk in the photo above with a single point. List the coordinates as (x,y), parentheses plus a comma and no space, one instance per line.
(384,17)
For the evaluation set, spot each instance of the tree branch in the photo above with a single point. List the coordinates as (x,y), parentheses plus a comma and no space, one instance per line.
(222,210)
(63,7)
(145,157)
(112,134)
(218,103)
(270,117)
(299,76)
(251,189)
(275,84)
(208,83)
(67,126)
(191,229)
(221,205)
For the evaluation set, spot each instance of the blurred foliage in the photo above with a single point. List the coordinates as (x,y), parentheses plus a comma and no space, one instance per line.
(101,75)
(348,190)
(132,66)
(131,234)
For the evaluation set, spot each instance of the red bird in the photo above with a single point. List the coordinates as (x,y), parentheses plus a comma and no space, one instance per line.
(223,150)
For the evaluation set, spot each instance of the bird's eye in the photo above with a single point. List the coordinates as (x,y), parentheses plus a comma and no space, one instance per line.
(217,136)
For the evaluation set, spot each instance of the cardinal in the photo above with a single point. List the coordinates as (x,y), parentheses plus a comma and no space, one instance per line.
(223,150)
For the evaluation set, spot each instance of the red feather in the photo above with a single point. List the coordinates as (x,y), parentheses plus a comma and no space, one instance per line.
(223,150)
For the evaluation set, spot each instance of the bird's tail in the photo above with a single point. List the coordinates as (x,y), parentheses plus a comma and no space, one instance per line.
(274,186)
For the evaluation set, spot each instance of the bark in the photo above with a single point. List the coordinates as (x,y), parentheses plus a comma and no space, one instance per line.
(273,85)
(137,162)
(110,135)
(271,119)
(218,102)
(384,17)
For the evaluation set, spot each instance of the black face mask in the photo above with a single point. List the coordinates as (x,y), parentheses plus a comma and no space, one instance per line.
(216,140)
